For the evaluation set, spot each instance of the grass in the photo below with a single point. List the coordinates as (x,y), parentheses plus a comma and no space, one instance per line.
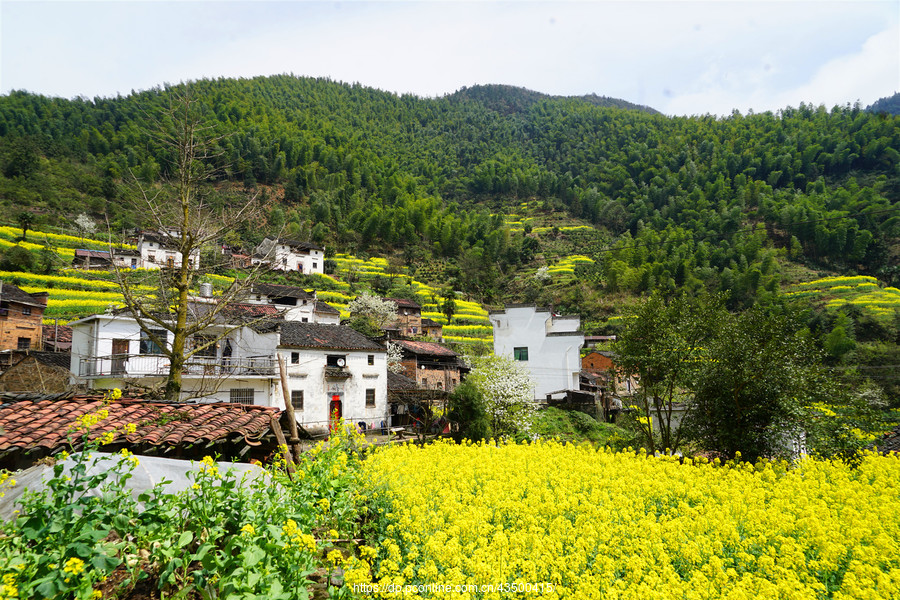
(574,426)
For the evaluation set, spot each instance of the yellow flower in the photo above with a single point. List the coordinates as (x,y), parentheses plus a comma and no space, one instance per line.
(248,530)
(74,566)
(335,557)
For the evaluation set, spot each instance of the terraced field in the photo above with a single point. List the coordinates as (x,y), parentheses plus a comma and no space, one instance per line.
(76,293)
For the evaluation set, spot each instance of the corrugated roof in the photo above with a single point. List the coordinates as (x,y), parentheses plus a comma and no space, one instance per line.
(320,335)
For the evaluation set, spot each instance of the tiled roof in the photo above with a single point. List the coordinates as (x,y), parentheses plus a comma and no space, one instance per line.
(889,443)
(404,303)
(92,254)
(280,291)
(428,348)
(319,335)
(45,424)
(50,333)
(300,245)
(52,359)
(11,293)
(426,322)
(325,308)
(396,382)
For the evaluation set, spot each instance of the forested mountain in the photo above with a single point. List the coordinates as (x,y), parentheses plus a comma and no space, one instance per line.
(695,202)
(888,104)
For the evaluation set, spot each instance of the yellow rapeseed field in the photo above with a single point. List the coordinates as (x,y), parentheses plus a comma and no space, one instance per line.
(556,521)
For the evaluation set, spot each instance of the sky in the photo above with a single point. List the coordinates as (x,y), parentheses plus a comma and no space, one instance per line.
(681,57)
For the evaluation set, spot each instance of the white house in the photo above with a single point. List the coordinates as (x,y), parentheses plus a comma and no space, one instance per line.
(549,346)
(331,369)
(159,249)
(296,303)
(290,255)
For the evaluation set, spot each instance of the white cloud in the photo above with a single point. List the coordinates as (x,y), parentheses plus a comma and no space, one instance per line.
(682,57)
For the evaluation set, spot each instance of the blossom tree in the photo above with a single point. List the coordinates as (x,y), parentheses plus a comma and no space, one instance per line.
(508,393)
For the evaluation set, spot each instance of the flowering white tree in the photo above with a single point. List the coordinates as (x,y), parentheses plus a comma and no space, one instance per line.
(508,393)
(380,312)
(394,356)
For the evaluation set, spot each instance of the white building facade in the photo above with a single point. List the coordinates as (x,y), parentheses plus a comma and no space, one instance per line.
(158,250)
(549,346)
(296,303)
(290,255)
(332,370)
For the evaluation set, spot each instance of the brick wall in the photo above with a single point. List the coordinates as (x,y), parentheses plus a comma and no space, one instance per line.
(15,325)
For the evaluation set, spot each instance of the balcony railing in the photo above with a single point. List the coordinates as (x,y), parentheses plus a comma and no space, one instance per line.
(149,365)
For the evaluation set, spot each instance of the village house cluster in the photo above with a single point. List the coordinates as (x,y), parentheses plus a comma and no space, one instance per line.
(280,346)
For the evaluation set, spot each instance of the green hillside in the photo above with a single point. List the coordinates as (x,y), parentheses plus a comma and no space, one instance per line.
(499,193)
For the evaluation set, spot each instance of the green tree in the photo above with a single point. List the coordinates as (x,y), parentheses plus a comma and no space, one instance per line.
(666,344)
(467,409)
(26,220)
(748,397)
(449,307)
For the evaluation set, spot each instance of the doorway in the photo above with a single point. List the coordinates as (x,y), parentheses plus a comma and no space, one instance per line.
(119,356)
(335,412)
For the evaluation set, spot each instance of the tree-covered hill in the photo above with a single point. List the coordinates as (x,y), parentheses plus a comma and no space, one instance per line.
(889,105)
(695,202)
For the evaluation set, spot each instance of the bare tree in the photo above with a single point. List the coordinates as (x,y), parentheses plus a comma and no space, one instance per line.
(188,215)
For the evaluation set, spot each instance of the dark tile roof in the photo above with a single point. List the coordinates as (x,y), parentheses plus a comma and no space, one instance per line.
(404,303)
(326,309)
(52,359)
(300,245)
(11,293)
(426,348)
(426,322)
(280,291)
(92,254)
(889,443)
(45,424)
(319,335)
(398,382)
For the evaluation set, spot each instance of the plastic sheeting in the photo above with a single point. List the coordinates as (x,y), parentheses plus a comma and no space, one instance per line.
(150,471)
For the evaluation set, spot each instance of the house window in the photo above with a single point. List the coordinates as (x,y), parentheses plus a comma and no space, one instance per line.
(336,360)
(203,340)
(315,265)
(241,395)
(151,258)
(370,398)
(297,399)
(520,353)
(148,346)
(26,310)
(414,329)
(24,344)
(304,320)
(4,308)
(295,358)
(371,359)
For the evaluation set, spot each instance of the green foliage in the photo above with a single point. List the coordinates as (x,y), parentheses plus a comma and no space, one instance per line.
(261,537)
(575,426)
(468,410)
(17,258)
(748,397)
(667,345)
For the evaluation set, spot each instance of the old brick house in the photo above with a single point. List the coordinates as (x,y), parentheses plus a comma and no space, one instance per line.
(21,316)
(431,365)
(409,317)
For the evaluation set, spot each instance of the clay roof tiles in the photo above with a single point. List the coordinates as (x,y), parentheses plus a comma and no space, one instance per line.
(46,424)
